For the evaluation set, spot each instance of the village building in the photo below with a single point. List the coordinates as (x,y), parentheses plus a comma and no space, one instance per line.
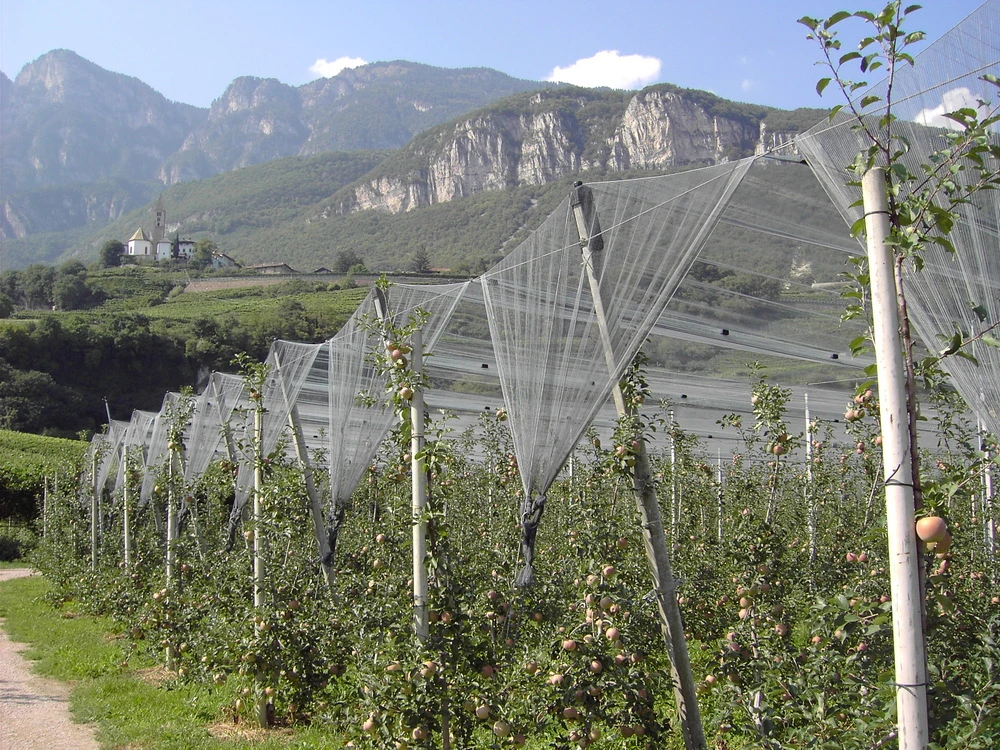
(156,245)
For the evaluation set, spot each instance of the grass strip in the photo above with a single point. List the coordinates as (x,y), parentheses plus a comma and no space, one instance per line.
(135,704)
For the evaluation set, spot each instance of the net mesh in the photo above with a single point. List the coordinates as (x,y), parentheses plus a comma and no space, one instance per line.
(954,292)
(137,438)
(322,384)
(209,435)
(563,329)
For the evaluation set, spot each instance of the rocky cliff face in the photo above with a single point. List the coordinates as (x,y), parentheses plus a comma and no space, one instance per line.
(81,144)
(555,135)
(67,121)
(59,209)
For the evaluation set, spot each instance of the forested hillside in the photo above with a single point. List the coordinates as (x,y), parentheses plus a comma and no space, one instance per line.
(141,337)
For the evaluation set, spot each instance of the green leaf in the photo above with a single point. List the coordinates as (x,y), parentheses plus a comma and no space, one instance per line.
(859,342)
(821,84)
(836,18)
(981,312)
(867,101)
(849,56)
(990,340)
(953,346)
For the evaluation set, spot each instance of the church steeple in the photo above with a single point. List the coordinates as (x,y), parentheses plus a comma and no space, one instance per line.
(159,222)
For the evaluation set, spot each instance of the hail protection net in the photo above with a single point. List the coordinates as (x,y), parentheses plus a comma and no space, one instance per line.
(108,453)
(570,307)
(209,436)
(355,428)
(134,446)
(954,293)
(463,374)
(765,288)
(336,396)
(158,452)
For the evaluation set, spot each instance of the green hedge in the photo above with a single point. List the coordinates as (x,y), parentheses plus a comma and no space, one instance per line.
(25,461)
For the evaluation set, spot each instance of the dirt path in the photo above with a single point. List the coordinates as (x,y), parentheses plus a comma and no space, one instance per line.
(34,711)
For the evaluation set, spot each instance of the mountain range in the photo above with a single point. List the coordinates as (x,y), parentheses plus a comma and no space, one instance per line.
(379,160)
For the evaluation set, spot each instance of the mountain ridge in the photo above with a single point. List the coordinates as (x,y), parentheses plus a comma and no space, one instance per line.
(498,159)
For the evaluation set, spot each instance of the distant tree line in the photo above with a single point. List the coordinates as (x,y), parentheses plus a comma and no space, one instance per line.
(41,287)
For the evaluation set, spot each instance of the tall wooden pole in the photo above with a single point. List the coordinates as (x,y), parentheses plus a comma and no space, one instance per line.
(721,497)
(95,506)
(651,520)
(258,540)
(418,469)
(315,506)
(810,493)
(989,529)
(904,555)
(126,498)
(171,654)
(675,504)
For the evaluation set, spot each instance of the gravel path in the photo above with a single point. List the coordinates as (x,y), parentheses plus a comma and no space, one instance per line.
(34,711)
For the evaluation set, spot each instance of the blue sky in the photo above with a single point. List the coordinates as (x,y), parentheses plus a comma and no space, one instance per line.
(190,50)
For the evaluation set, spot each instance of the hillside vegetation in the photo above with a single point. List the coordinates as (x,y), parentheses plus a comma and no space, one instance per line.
(143,337)
(27,462)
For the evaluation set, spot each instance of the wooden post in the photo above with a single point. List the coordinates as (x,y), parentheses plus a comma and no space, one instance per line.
(171,654)
(258,541)
(653,535)
(675,506)
(95,505)
(811,495)
(315,506)
(721,495)
(418,469)
(989,530)
(126,497)
(904,555)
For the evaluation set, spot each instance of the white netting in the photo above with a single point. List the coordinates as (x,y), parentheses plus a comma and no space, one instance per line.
(558,354)
(323,384)
(707,270)
(157,451)
(109,455)
(209,436)
(944,296)
(137,438)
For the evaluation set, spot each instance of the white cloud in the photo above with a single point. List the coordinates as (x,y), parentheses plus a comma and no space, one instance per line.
(952,100)
(330,68)
(749,84)
(610,68)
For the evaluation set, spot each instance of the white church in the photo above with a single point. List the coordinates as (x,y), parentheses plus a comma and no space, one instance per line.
(157,246)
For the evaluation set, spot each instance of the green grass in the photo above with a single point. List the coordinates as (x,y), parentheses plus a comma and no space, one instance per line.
(109,687)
